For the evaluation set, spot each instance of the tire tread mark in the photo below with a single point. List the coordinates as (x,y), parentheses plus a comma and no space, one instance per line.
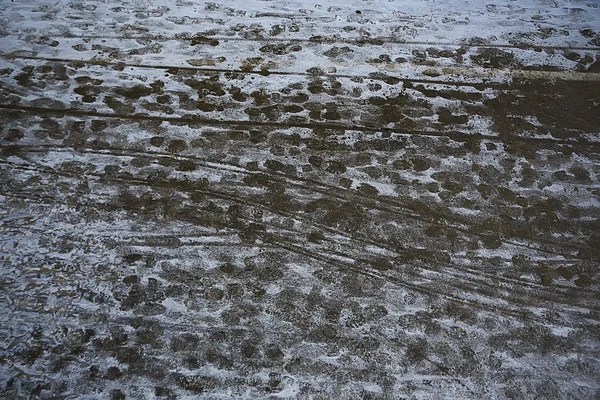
(324,189)
(371,41)
(453,135)
(237,199)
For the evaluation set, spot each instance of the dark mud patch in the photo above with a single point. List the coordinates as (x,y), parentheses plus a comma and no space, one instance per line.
(390,80)
(86,80)
(118,106)
(134,92)
(399,110)
(446,117)
(280,49)
(565,110)
(335,52)
(495,58)
(88,93)
(13,135)
(594,68)
(203,40)
(205,87)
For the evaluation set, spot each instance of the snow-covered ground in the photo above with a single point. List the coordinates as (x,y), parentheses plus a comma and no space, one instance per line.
(280,199)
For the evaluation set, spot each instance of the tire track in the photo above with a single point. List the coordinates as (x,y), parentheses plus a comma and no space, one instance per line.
(478,277)
(463,282)
(283,243)
(423,289)
(316,40)
(486,76)
(328,190)
(207,70)
(453,135)
(473,279)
